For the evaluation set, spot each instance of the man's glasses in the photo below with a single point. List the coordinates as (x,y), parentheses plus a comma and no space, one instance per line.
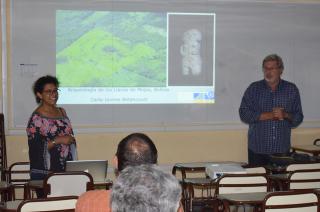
(51,92)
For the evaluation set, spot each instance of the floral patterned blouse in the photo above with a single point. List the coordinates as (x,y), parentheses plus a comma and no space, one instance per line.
(40,131)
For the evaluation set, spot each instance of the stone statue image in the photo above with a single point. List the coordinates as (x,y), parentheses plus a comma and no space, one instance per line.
(190,51)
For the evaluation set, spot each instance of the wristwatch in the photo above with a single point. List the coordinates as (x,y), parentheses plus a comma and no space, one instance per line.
(54,142)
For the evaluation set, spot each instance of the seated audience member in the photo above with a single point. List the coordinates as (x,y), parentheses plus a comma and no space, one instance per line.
(145,188)
(135,149)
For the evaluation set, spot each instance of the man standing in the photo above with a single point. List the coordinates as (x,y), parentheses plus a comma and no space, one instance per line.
(271,107)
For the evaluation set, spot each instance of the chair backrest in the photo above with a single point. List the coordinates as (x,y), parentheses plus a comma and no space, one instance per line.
(65,203)
(3,150)
(300,166)
(200,195)
(189,170)
(291,201)
(19,173)
(67,183)
(305,179)
(242,183)
(316,142)
(183,171)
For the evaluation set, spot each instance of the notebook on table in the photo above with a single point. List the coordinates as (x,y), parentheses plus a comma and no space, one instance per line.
(96,168)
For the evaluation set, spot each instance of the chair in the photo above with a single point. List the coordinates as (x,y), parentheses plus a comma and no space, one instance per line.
(281,182)
(316,142)
(291,201)
(302,166)
(193,171)
(200,194)
(67,183)
(65,203)
(3,151)
(242,183)
(18,175)
(304,179)
(6,191)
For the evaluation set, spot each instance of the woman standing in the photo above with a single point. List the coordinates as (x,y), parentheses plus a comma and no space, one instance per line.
(50,135)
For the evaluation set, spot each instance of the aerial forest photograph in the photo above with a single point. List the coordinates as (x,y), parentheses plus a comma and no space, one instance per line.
(111,49)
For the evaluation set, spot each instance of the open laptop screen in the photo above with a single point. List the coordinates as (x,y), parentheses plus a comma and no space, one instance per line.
(97,168)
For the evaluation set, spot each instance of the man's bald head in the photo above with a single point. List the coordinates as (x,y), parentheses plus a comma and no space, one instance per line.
(136,149)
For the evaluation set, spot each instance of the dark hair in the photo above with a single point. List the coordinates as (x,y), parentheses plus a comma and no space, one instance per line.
(136,149)
(273,57)
(39,84)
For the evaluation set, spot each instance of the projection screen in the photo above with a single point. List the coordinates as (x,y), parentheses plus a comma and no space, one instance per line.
(157,65)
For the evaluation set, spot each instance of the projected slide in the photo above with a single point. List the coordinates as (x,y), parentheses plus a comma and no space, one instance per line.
(105,57)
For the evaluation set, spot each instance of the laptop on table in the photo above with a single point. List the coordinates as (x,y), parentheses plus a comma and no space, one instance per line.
(96,168)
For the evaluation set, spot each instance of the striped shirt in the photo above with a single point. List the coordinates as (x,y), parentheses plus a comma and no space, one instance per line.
(270,136)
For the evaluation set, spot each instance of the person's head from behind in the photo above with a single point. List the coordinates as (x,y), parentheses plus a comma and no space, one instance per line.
(272,67)
(135,149)
(46,88)
(145,188)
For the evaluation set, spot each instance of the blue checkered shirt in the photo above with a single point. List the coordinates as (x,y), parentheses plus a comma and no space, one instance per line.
(270,136)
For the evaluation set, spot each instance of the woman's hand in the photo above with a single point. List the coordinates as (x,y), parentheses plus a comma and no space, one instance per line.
(66,139)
